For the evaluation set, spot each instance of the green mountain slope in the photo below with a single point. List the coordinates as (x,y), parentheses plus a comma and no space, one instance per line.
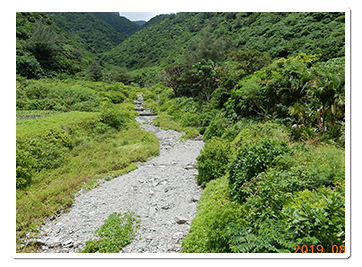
(97,32)
(119,23)
(139,22)
(166,41)
(44,49)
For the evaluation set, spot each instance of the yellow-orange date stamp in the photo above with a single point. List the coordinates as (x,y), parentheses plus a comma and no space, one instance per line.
(318,249)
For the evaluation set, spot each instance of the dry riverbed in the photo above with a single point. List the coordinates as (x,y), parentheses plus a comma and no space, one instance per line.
(162,191)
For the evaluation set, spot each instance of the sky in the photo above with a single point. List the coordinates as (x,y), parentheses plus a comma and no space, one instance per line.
(135,16)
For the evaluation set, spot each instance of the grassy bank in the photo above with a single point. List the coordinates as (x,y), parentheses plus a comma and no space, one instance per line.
(59,155)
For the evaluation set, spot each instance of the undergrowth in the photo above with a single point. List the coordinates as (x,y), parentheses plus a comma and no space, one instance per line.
(265,193)
(116,232)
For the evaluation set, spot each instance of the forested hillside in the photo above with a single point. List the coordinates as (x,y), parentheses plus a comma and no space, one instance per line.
(265,90)
(276,34)
(43,49)
(96,31)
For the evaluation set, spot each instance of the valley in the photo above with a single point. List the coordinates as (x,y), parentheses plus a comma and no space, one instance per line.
(195,132)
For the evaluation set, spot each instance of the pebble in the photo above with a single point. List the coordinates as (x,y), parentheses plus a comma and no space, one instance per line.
(180,220)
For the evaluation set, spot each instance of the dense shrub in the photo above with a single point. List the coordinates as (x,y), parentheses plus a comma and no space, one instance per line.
(217,126)
(49,150)
(190,119)
(319,214)
(24,168)
(55,95)
(112,116)
(45,143)
(208,232)
(311,218)
(147,94)
(205,118)
(291,201)
(213,160)
(149,103)
(250,161)
(253,132)
(28,66)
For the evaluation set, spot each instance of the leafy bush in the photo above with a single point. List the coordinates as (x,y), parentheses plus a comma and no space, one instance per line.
(311,218)
(55,95)
(189,132)
(213,160)
(217,126)
(251,132)
(147,94)
(24,168)
(112,116)
(116,232)
(101,128)
(205,118)
(49,150)
(250,161)
(28,66)
(190,119)
(149,103)
(287,202)
(324,220)
(268,191)
(116,92)
(208,232)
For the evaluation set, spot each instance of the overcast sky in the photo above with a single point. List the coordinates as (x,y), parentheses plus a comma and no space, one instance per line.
(134,16)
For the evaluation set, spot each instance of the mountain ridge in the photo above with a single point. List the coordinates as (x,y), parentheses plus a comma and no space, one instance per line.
(169,37)
(96,31)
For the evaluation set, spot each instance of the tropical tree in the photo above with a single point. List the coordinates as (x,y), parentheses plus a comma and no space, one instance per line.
(298,110)
(206,47)
(172,77)
(250,60)
(328,92)
(291,79)
(206,75)
(95,70)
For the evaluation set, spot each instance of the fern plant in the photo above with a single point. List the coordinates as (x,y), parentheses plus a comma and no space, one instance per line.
(270,237)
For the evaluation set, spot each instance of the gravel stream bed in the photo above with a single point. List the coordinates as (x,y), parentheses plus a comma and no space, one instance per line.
(162,191)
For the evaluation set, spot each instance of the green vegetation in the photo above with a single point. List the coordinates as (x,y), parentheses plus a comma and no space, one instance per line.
(275,34)
(268,197)
(116,232)
(265,90)
(60,154)
(97,31)
(44,50)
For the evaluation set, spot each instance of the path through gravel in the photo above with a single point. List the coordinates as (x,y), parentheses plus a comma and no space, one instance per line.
(162,191)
